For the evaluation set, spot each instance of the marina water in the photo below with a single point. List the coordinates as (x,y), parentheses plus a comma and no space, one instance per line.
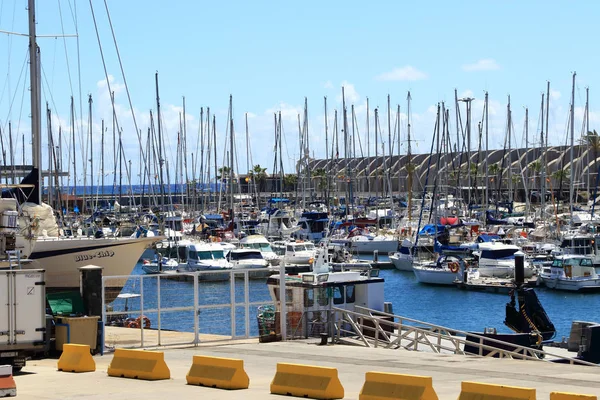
(440,305)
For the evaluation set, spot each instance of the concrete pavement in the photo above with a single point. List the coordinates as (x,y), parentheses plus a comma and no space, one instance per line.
(40,379)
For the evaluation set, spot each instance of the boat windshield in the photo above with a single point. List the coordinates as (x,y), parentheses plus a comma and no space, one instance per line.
(245,255)
(258,246)
(499,254)
(301,247)
(207,255)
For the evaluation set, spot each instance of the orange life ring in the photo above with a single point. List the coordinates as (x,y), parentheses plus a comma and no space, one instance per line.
(453,266)
(133,324)
(145,319)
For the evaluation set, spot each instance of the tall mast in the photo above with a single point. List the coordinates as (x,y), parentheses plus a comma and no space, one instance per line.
(509,119)
(231,155)
(368,151)
(571,188)
(542,165)
(326,153)
(36,123)
(409,168)
(160,157)
(525,172)
(487,171)
(546,144)
(102,158)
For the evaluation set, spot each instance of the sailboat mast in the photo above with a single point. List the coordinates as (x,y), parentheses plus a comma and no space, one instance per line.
(571,187)
(409,168)
(487,170)
(160,157)
(231,155)
(102,158)
(36,122)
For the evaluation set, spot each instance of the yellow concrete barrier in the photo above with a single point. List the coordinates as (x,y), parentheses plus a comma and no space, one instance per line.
(76,358)
(307,381)
(218,372)
(571,396)
(381,386)
(139,364)
(485,391)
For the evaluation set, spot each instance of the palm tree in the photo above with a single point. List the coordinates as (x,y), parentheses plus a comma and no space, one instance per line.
(593,141)
(258,175)
(290,180)
(223,173)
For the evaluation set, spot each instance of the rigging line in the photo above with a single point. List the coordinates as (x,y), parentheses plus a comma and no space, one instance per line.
(21,109)
(62,29)
(18,82)
(123,75)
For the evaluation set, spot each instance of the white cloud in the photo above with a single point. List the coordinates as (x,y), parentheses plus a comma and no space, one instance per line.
(328,85)
(406,73)
(485,64)
(350,93)
(554,94)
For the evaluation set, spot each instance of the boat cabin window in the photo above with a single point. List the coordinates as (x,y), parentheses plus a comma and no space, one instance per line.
(350,294)
(322,298)
(246,255)
(290,248)
(309,298)
(580,246)
(586,262)
(557,264)
(338,295)
(289,297)
(498,254)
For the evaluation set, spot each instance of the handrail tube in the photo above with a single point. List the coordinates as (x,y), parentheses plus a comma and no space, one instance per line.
(479,344)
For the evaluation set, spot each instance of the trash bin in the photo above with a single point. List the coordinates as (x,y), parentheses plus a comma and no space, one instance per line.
(268,324)
(77,330)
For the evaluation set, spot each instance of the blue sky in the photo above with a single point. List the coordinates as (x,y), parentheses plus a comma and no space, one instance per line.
(270,55)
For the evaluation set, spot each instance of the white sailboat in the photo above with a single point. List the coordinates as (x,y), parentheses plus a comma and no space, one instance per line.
(61,256)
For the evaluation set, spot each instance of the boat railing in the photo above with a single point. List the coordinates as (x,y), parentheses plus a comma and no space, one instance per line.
(373,328)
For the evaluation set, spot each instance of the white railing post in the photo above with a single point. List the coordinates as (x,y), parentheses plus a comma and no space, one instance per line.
(141,311)
(103,344)
(158,305)
(232,298)
(247,302)
(196,310)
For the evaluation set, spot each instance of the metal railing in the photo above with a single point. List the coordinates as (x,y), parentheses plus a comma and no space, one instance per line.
(181,308)
(373,328)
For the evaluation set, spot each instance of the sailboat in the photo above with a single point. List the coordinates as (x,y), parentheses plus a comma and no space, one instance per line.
(62,256)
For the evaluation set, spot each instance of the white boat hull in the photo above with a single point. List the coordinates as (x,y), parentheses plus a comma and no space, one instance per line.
(402,262)
(572,285)
(434,276)
(61,258)
(366,245)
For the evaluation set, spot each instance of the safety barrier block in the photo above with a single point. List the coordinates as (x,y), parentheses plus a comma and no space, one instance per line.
(76,358)
(382,385)
(307,381)
(571,396)
(218,372)
(139,364)
(8,387)
(486,391)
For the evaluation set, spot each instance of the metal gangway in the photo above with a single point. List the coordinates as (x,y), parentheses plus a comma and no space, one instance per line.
(372,328)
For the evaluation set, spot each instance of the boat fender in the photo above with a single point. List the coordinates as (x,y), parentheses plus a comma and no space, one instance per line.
(453,266)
